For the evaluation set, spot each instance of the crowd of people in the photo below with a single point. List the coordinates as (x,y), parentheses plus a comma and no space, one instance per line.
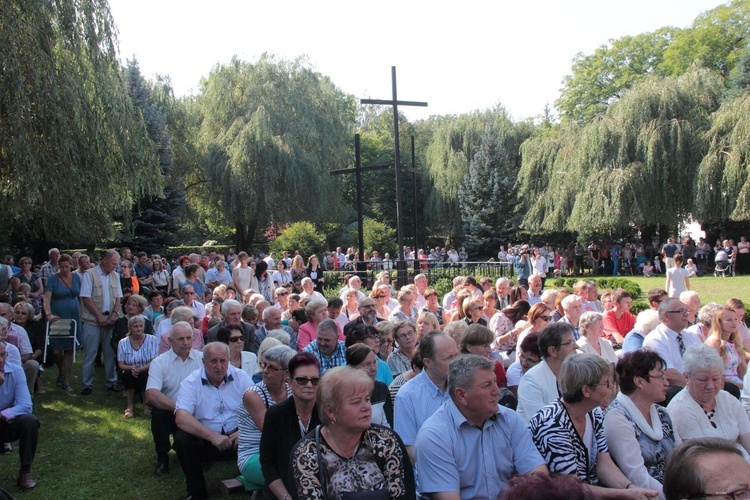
(486,392)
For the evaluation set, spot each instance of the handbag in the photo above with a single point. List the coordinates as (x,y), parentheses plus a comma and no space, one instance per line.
(380,494)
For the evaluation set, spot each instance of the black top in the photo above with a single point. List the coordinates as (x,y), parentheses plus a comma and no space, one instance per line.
(280,433)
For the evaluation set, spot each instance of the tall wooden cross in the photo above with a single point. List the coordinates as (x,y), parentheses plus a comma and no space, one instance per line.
(397,161)
(358,169)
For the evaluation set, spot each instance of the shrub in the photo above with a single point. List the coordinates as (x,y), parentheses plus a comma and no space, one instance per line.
(638,306)
(300,236)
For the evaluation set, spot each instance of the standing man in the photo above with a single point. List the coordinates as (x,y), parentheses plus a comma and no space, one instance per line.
(524,266)
(207,415)
(51,266)
(143,271)
(420,280)
(16,420)
(458,447)
(419,398)
(101,295)
(668,251)
(165,375)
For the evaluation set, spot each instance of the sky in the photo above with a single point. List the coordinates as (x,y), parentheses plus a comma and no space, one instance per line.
(457,56)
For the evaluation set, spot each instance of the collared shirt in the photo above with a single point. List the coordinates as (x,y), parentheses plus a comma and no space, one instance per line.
(142,271)
(533,299)
(663,341)
(199,309)
(216,408)
(416,401)
(455,455)
(338,358)
(223,277)
(87,286)
(46,271)
(14,393)
(168,370)
(19,332)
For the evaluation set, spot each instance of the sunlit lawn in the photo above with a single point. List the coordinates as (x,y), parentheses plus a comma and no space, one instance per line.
(708,288)
(88,450)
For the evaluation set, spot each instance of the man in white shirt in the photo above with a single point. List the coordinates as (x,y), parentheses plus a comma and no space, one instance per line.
(189,297)
(30,366)
(420,280)
(535,289)
(207,416)
(355,283)
(165,375)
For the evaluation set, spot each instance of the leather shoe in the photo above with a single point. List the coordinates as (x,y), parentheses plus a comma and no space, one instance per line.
(114,388)
(86,391)
(162,468)
(26,481)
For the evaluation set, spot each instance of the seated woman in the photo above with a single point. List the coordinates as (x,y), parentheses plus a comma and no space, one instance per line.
(426,321)
(528,357)
(134,355)
(702,409)
(272,390)
(361,357)
(406,309)
(639,432)
(179,313)
(569,433)
(134,306)
(724,336)
(416,368)
(432,305)
(539,317)
(288,422)
(347,454)
(473,311)
(591,325)
(504,325)
(405,334)
(233,336)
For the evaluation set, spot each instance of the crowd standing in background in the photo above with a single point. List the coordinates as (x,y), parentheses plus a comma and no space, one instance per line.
(318,391)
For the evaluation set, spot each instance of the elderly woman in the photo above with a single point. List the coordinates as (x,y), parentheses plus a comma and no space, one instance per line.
(432,305)
(233,336)
(288,422)
(347,454)
(639,432)
(134,355)
(135,305)
(702,409)
(23,316)
(473,311)
(406,309)
(569,433)
(724,336)
(528,357)
(416,368)
(385,333)
(645,323)
(32,279)
(273,389)
(351,309)
(704,318)
(591,326)
(179,313)
(405,334)
(316,311)
(362,357)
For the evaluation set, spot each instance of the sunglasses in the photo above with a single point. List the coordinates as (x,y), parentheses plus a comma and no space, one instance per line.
(545,318)
(303,381)
(380,296)
(236,339)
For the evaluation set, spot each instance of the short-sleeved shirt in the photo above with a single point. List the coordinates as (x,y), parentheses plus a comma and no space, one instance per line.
(454,455)
(214,407)
(663,340)
(168,370)
(87,287)
(338,358)
(416,401)
(564,451)
(141,356)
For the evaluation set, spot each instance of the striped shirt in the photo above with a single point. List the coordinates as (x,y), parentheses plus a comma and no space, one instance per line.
(138,357)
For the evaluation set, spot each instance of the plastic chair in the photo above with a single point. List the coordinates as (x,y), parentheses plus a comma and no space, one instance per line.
(62,329)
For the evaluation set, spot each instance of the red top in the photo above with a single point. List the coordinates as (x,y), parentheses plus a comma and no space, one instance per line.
(621,326)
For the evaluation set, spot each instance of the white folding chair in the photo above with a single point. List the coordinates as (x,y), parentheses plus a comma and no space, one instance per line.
(62,329)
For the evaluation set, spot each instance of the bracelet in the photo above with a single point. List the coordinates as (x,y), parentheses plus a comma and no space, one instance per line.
(629,485)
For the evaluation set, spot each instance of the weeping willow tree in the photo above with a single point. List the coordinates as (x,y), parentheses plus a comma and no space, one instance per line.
(270,133)
(723,186)
(634,166)
(74,153)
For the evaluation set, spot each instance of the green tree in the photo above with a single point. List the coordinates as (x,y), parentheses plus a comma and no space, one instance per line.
(377,235)
(270,131)
(599,79)
(486,198)
(300,236)
(74,153)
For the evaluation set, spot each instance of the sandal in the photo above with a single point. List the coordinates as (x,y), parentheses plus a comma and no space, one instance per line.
(129,413)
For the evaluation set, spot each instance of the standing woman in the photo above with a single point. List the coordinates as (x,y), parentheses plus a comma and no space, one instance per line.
(315,272)
(178,275)
(61,302)
(263,279)
(161,277)
(129,283)
(32,279)
(539,263)
(134,355)
(242,274)
(298,272)
(192,278)
(724,337)
(678,280)
(281,277)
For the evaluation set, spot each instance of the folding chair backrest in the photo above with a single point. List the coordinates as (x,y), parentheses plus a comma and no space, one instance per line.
(62,328)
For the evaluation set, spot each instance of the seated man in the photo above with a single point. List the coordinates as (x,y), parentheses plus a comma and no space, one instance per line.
(165,375)
(16,420)
(207,415)
(619,320)
(458,446)
(330,351)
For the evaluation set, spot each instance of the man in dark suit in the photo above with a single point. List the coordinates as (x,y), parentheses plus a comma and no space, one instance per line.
(232,312)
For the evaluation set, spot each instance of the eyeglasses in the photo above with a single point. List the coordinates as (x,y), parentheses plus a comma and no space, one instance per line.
(263,365)
(567,343)
(608,384)
(368,306)
(236,339)
(659,375)
(405,335)
(545,318)
(188,293)
(303,381)
(380,296)
(743,494)
(679,311)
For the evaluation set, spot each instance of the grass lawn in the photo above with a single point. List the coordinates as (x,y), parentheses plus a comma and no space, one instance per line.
(708,288)
(87,449)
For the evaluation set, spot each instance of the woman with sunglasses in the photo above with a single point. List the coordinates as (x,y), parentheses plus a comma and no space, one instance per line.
(288,422)
(233,336)
(591,326)
(538,318)
(273,389)
(381,301)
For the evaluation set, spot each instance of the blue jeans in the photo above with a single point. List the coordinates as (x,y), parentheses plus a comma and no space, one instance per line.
(93,336)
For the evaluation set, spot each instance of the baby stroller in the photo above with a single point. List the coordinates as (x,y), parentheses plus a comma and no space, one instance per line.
(724,265)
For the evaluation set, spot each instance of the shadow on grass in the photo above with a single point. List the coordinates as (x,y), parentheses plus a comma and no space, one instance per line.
(87,449)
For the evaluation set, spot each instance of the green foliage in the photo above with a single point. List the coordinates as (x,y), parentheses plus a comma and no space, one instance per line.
(377,236)
(442,286)
(602,283)
(599,79)
(300,236)
(74,152)
(638,306)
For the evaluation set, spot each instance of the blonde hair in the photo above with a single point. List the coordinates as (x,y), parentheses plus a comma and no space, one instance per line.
(715,332)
